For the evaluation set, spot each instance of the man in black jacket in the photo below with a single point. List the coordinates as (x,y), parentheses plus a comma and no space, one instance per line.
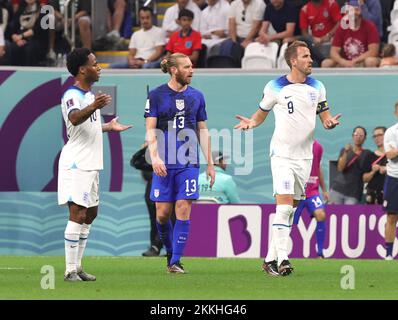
(138,161)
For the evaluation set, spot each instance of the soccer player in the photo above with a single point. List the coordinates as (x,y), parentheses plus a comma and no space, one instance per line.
(296,99)
(313,202)
(81,157)
(390,203)
(175,121)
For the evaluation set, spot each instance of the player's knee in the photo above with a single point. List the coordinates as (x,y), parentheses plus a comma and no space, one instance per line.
(372,62)
(182,209)
(162,217)
(283,214)
(320,216)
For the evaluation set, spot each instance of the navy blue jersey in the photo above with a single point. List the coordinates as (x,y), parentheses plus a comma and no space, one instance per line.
(178,114)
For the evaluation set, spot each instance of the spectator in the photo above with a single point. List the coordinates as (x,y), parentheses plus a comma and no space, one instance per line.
(119,20)
(371,10)
(319,20)
(186,41)
(375,164)
(171,22)
(389,56)
(83,20)
(245,18)
(282,15)
(4,15)
(16,4)
(356,45)
(214,22)
(29,40)
(347,185)
(146,45)
(139,162)
(202,4)
(224,189)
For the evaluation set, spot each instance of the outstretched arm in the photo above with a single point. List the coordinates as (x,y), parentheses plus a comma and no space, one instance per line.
(256,119)
(113,125)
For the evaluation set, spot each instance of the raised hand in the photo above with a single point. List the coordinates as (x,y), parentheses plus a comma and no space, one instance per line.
(101,100)
(332,122)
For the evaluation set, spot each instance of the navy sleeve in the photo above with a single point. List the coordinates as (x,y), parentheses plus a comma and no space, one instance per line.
(151,107)
(201,115)
(267,15)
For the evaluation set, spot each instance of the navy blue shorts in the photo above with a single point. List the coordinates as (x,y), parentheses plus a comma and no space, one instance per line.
(390,203)
(179,184)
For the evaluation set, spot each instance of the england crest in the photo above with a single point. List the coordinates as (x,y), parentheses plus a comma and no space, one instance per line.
(156,193)
(180,104)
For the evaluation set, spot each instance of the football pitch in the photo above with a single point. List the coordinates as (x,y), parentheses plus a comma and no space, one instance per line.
(146,278)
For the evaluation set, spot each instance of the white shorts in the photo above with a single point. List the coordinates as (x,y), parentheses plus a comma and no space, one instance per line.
(290,176)
(78,186)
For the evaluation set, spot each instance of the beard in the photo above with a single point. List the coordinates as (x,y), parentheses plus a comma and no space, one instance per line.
(180,79)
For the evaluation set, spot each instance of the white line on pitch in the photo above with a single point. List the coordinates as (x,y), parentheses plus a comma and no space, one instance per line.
(11,268)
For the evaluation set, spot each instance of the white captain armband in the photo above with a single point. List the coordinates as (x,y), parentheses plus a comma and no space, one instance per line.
(322,106)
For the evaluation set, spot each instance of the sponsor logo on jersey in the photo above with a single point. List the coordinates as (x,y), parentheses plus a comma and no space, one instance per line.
(180,104)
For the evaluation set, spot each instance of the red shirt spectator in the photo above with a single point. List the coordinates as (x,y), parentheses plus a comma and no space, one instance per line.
(321,18)
(186,45)
(354,43)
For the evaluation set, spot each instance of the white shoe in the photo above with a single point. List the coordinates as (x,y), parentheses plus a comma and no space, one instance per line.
(72,277)
(389,258)
(113,36)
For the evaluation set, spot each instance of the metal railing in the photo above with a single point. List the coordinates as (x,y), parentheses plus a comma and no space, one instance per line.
(70,35)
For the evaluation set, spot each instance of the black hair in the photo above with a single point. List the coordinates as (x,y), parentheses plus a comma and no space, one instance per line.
(360,127)
(380,128)
(147,9)
(76,59)
(185,13)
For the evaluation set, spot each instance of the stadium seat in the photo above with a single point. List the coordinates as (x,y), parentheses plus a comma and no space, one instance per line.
(260,56)
(281,63)
(206,200)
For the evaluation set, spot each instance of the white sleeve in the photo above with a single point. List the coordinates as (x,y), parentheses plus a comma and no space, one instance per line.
(133,41)
(269,98)
(2,42)
(260,11)
(389,140)
(224,16)
(322,93)
(232,10)
(71,101)
(169,23)
(196,20)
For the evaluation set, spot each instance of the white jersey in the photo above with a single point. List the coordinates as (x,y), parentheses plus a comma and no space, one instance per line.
(84,147)
(295,107)
(391,142)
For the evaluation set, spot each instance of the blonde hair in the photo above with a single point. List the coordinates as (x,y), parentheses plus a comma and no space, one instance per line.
(291,51)
(166,64)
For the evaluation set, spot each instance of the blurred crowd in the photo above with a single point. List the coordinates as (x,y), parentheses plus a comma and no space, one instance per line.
(213,33)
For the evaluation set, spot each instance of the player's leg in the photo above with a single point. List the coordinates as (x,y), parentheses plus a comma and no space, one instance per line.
(180,234)
(165,226)
(84,232)
(320,231)
(77,216)
(186,182)
(316,209)
(390,206)
(390,230)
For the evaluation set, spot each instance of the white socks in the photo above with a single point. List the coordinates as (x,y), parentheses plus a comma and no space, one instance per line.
(280,233)
(82,243)
(75,242)
(72,235)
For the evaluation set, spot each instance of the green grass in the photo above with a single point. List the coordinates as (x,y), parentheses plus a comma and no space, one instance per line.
(146,278)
